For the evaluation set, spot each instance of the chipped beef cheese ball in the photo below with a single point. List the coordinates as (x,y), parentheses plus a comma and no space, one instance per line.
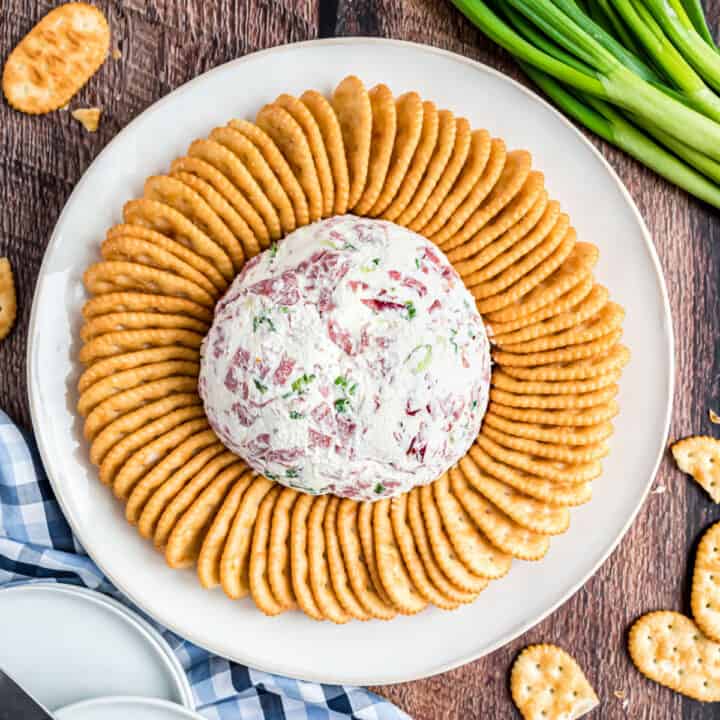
(347,359)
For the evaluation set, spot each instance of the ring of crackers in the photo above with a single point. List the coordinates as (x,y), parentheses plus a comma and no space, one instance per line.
(557,357)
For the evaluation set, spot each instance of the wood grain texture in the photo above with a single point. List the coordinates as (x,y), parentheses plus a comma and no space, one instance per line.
(165,43)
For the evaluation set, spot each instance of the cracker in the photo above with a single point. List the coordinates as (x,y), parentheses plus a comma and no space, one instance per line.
(56,58)
(189,480)
(171,471)
(441,153)
(492,241)
(119,363)
(117,322)
(391,568)
(336,565)
(575,267)
(257,574)
(613,360)
(125,341)
(565,303)
(304,118)
(554,402)
(504,533)
(279,571)
(411,558)
(669,648)
(598,345)
(508,383)
(238,177)
(699,456)
(582,435)
(591,305)
(235,561)
(430,126)
(367,540)
(555,470)
(164,454)
(528,512)
(113,384)
(498,192)
(531,196)
(355,564)
(435,575)
(580,417)
(8,301)
(530,281)
(135,399)
(280,170)
(532,261)
(552,451)
(453,167)
(127,425)
(116,456)
(546,683)
(318,568)
(176,194)
(249,244)
(89,118)
(409,120)
(442,549)
(160,527)
(166,220)
(479,556)
(178,249)
(299,557)
(112,276)
(351,103)
(482,168)
(211,177)
(545,491)
(326,119)
(128,302)
(291,141)
(705,595)
(220,502)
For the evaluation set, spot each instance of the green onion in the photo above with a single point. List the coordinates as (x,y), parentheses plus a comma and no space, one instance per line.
(695,13)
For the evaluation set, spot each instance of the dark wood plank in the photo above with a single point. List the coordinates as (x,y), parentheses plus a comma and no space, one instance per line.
(165,43)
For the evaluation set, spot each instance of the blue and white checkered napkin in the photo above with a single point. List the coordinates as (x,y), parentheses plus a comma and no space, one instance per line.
(36,544)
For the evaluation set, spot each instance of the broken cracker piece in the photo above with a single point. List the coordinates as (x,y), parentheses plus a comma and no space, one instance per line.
(8,304)
(699,456)
(89,117)
(547,683)
(714,417)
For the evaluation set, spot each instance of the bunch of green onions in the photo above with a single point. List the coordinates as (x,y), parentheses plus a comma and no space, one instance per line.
(642,74)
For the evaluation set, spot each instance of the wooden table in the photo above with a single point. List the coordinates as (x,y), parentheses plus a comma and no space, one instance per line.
(164,43)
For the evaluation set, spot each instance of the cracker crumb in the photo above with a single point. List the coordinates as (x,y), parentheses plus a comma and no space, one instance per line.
(116,54)
(89,117)
(714,417)
(620,694)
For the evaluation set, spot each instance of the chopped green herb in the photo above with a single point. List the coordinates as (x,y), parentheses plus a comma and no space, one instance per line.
(379,488)
(284,309)
(340,380)
(300,384)
(295,415)
(292,472)
(342,404)
(262,388)
(273,250)
(376,261)
(353,388)
(474,404)
(412,312)
(453,334)
(417,263)
(258,320)
(349,246)
(271,476)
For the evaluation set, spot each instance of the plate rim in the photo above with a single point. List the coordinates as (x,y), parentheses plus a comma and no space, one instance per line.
(667,328)
(153,636)
(180,710)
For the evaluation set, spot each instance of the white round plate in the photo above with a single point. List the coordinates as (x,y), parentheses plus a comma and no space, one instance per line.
(122,708)
(64,644)
(292,644)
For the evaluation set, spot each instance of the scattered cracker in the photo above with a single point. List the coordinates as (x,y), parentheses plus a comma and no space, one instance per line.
(714,417)
(547,684)
(705,596)
(89,118)
(8,301)
(56,58)
(669,648)
(699,456)
(116,54)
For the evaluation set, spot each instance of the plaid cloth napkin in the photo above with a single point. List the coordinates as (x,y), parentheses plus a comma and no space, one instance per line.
(36,544)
